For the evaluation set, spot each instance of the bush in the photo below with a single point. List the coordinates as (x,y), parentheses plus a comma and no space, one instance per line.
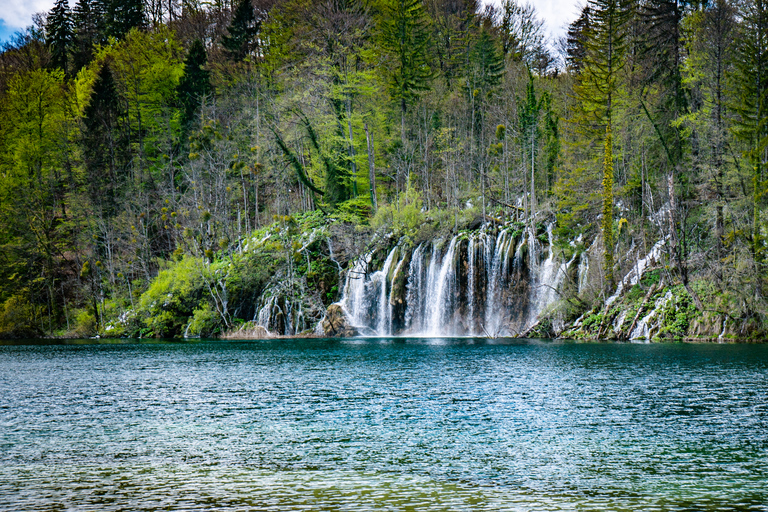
(164,309)
(85,324)
(205,322)
(404,217)
(17,319)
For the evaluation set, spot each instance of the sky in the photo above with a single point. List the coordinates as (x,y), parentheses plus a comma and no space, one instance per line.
(17,14)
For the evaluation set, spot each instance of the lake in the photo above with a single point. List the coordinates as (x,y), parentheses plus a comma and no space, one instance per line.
(393,424)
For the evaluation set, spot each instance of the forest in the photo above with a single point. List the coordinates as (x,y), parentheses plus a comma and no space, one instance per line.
(167,167)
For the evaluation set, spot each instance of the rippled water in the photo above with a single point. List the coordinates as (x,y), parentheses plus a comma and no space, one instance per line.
(383,424)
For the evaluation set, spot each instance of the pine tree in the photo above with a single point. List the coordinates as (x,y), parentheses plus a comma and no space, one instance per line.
(87,18)
(576,40)
(528,118)
(103,147)
(194,84)
(661,50)
(242,31)
(405,36)
(453,26)
(120,16)
(488,64)
(59,34)
(552,144)
(598,87)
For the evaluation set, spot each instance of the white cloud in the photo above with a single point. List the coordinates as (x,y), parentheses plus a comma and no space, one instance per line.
(558,14)
(17,14)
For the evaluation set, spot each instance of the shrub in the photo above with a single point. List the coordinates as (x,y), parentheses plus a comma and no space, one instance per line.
(17,319)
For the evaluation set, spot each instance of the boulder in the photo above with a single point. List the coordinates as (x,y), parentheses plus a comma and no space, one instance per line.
(336,324)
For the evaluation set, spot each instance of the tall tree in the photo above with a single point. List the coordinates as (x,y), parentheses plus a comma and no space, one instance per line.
(120,16)
(194,85)
(710,49)
(87,16)
(597,88)
(521,32)
(103,145)
(454,24)
(576,48)
(528,119)
(240,39)
(405,36)
(59,34)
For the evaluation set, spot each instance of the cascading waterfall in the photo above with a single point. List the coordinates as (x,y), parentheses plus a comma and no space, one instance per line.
(490,282)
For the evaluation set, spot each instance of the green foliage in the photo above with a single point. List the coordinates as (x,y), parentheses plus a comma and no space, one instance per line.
(677,314)
(356,211)
(59,34)
(172,296)
(240,39)
(205,322)
(195,83)
(85,324)
(120,16)
(404,217)
(16,319)
(405,37)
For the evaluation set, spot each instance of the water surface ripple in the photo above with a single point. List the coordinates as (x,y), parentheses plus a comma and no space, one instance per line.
(380,424)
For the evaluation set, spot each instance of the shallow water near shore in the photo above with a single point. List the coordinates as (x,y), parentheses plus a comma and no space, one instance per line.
(385,423)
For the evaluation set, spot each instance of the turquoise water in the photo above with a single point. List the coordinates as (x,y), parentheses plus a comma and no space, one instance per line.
(380,424)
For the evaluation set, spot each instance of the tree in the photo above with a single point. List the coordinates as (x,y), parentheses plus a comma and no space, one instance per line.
(752,108)
(103,146)
(710,62)
(528,118)
(405,36)
(522,32)
(59,34)
(120,16)
(454,25)
(194,84)
(240,39)
(578,31)
(87,17)
(33,188)
(597,88)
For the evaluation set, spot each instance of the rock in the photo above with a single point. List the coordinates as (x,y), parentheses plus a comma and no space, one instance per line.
(336,323)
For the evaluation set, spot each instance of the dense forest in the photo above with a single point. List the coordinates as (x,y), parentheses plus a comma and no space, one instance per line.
(145,144)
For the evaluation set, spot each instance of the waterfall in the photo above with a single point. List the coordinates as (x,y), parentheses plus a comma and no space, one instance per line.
(488,282)
(414,299)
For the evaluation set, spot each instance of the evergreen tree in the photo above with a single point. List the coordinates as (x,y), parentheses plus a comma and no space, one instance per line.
(578,32)
(59,34)
(488,64)
(528,118)
(87,17)
(405,35)
(194,84)
(103,146)
(661,49)
(242,31)
(120,16)
(598,87)
(552,144)
(453,26)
